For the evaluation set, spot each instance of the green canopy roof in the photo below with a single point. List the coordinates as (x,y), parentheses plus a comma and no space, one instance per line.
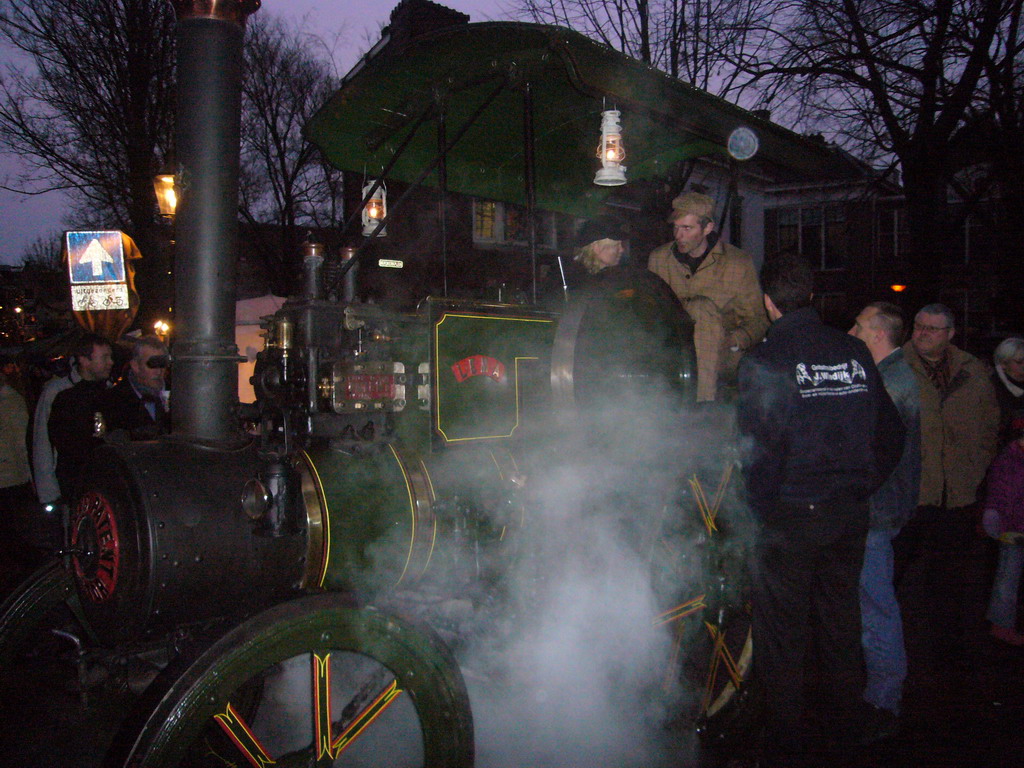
(571,79)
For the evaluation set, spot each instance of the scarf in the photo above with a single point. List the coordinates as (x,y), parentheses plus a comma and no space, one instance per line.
(1015,389)
(151,398)
(938,372)
(693,262)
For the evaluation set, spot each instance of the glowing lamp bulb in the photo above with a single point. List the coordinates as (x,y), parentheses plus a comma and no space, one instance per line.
(375,210)
(611,149)
(898,288)
(166,194)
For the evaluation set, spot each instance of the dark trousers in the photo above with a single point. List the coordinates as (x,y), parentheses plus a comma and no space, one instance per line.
(805,571)
(19,556)
(942,544)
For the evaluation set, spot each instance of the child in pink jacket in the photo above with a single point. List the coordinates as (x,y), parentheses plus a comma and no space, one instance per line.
(1004,519)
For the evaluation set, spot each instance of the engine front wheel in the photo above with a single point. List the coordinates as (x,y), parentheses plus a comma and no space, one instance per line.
(313,682)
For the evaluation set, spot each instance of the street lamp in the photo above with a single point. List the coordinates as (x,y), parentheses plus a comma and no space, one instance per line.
(166,196)
(162,328)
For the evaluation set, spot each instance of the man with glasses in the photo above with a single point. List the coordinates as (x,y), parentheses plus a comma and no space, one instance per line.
(959,422)
(137,403)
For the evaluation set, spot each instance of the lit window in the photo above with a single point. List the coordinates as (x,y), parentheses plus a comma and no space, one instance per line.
(508,224)
(484,221)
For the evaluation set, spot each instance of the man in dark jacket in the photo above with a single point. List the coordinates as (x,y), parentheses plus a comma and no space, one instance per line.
(820,435)
(880,327)
(136,403)
(72,419)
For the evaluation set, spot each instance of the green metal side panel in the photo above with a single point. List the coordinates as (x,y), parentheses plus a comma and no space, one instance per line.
(484,362)
(371,518)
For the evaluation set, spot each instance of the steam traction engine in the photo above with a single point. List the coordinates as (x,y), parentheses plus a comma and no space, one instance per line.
(388,455)
(390,466)
(391,463)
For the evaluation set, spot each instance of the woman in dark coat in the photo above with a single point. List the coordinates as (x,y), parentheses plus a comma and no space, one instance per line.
(600,244)
(1009,383)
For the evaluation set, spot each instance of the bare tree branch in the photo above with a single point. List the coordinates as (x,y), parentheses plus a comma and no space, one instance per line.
(284,180)
(93,114)
(685,38)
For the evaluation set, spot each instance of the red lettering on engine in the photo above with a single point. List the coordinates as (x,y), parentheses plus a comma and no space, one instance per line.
(478,365)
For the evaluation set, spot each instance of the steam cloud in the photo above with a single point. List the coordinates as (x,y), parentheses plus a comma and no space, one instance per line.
(576,673)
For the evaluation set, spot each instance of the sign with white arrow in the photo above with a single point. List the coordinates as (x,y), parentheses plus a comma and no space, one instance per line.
(96,271)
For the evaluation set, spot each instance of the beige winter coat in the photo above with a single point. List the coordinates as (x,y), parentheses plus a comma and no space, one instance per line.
(958,430)
(725,302)
(13,452)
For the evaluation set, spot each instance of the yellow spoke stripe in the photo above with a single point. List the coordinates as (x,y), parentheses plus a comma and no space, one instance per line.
(680,611)
(322,706)
(720,655)
(670,672)
(367,716)
(722,485)
(706,513)
(238,731)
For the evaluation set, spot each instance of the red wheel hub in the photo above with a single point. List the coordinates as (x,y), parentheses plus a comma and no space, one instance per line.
(97,547)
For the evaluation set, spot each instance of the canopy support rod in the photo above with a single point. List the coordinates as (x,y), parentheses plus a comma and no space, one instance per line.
(731,196)
(442,190)
(530,180)
(427,170)
(387,169)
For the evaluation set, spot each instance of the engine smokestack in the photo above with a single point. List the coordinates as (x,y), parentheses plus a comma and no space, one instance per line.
(209,39)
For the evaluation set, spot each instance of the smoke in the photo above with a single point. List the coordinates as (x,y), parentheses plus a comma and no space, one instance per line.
(549,572)
(576,680)
(573,670)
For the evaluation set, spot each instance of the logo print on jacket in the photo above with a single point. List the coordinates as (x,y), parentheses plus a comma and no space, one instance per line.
(831,380)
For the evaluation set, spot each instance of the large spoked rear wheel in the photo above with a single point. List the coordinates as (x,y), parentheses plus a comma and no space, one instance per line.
(312,682)
(719,666)
(700,558)
(51,681)
(29,606)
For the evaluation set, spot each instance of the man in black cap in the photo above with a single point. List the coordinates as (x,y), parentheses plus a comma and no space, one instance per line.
(600,244)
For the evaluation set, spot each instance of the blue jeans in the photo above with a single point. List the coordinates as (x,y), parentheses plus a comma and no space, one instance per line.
(1002,607)
(885,656)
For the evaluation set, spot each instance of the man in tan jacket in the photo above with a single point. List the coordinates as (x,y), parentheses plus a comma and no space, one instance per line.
(959,423)
(717,285)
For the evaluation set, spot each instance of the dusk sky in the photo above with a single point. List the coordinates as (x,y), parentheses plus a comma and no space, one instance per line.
(23,218)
